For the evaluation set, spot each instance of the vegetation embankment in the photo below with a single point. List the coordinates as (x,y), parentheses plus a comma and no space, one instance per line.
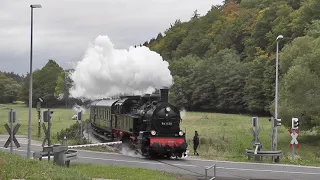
(14,166)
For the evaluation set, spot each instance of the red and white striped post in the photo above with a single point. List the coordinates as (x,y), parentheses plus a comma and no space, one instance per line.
(294,134)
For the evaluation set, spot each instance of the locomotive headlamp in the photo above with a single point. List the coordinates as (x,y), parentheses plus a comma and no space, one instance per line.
(181,133)
(153,132)
(168,109)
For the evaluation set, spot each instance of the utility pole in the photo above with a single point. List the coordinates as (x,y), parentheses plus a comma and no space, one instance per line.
(275,143)
(30,84)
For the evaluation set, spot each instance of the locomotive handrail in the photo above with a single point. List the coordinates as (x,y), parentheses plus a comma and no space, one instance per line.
(214,172)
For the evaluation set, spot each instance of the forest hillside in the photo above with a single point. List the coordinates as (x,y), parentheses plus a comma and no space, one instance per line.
(224,61)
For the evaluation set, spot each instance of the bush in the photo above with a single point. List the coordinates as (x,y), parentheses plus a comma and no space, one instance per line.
(72,134)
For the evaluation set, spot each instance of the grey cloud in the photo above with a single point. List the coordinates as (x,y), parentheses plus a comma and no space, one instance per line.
(64,28)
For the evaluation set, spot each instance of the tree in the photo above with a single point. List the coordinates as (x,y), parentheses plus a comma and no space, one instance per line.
(64,83)
(9,89)
(195,14)
(230,81)
(254,91)
(182,88)
(44,83)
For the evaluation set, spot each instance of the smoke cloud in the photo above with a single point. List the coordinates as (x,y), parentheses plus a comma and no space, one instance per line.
(106,72)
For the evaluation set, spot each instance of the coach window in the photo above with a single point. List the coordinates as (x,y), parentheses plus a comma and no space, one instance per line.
(97,113)
(127,122)
(102,113)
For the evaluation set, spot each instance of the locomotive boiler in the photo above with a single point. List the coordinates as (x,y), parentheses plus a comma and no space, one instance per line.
(147,123)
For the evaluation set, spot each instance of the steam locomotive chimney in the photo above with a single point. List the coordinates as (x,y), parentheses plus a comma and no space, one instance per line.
(164,95)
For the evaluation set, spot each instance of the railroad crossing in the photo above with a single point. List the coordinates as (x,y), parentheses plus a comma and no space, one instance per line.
(257,152)
(294,132)
(12,131)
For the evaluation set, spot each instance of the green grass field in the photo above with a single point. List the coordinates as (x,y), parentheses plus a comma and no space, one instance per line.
(222,136)
(226,136)
(13,166)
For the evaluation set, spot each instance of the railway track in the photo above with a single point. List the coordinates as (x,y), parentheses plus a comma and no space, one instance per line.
(94,138)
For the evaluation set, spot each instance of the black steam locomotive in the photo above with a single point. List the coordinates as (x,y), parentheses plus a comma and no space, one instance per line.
(148,123)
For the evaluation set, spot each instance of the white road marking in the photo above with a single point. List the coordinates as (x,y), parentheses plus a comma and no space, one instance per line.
(15,150)
(288,172)
(252,163)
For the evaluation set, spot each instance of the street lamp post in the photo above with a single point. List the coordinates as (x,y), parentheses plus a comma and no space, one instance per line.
(276,97)
(30,82)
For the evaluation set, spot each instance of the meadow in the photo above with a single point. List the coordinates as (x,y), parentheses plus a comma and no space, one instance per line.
(222,136)
(61,119)
(226,136)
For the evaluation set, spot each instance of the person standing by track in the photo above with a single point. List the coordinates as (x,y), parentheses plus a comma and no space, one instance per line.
(195,143)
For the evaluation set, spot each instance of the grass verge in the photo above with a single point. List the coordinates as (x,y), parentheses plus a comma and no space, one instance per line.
(14,166)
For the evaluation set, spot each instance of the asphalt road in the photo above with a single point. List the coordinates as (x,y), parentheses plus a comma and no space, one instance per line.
(189,166)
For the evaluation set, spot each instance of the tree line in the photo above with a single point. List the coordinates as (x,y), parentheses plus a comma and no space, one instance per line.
(51,83)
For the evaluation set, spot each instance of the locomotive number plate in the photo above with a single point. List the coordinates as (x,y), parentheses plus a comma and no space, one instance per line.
(166,123)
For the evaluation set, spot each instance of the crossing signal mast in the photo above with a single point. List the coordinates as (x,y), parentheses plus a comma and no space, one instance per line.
(295,123)
(254,121)
(277,122)
(274,136)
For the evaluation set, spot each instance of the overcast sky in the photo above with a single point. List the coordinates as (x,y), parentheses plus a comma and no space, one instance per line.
(64,28)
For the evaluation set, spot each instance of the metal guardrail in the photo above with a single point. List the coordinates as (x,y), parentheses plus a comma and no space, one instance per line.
(260,154)
(264,153)
(60,153)
(214,172)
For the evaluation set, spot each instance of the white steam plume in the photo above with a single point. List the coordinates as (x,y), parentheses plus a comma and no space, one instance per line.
(76,108)
(183,113)
(105,71)
(125,150)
